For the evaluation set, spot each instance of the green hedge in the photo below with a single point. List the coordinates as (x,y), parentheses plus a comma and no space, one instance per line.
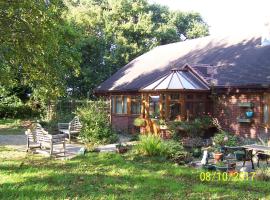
(20,111)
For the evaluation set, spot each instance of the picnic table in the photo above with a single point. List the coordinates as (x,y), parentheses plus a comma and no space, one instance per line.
(255,149)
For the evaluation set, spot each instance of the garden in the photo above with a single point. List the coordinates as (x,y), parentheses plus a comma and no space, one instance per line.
(149,167)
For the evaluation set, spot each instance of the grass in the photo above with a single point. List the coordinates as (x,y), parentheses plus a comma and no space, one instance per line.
(13,126)
(112,176)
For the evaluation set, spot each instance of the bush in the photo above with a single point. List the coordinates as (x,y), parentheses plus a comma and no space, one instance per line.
(151,145)
(139,122)
(96,126)
(192,142)
(263,174)
(223,138)
(19,112)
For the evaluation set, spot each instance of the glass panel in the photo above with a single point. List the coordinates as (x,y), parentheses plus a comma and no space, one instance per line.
(175,96)
(189,96)
(136,105)
(266,114)
(175,111)
(199,108)
(118,100)
(124,105)
(112,104)
(189,107)
(154,106)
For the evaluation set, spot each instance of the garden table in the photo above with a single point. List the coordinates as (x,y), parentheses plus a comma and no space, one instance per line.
(258,149)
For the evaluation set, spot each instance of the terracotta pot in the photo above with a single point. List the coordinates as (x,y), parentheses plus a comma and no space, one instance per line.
(142,129)
(218,156)
(122,150)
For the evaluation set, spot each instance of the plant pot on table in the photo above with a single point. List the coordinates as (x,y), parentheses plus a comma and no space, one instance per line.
(218,156)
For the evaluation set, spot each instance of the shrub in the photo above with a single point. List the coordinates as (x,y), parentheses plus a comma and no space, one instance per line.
(139,122)
(96,126)
(192,142)
(151,145)
(263,174)
(18,112)
(223,138)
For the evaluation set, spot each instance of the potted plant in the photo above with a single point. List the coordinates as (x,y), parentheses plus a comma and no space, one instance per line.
(197,152)
(163,124)
(121,148)
(140,122)
(218,155)
(221,166)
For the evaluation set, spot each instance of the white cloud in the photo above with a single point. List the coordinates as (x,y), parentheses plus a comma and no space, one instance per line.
(226,16)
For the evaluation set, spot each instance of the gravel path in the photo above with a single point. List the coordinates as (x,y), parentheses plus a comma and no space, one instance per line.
(14,141)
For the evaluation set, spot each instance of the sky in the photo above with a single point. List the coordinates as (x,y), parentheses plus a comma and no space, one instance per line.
(226,16)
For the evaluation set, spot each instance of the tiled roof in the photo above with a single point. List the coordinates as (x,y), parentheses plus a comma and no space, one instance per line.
(223,61)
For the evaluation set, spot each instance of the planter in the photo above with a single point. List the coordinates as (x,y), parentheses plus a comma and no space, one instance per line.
(209,167)
(122,149)
(249,114)
(142,129)
(163,127)
(222,168)
(218,156)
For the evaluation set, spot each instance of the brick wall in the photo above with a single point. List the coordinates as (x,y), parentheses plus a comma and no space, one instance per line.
(123,123)
(227,110)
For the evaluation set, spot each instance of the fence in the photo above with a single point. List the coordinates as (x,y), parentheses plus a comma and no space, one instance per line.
(68,106)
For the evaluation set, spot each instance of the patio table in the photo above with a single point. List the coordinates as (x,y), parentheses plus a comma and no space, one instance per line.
(258,149)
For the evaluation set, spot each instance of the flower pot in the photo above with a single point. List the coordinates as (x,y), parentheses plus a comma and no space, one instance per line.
(122,150)
(142,129)
(222,168)
(163,127)
(249,114)
(209,167)
(218,156)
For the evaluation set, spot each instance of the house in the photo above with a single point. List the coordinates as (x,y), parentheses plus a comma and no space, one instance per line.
(224,76)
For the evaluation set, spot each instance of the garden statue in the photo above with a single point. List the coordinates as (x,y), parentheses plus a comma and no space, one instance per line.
(204,160)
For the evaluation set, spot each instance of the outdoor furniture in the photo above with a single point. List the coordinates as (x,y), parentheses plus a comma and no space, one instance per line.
(39,138)
(258,149)
(72,128)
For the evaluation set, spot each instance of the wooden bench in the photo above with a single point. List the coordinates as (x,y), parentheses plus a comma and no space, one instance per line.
(39,138)
(72,128)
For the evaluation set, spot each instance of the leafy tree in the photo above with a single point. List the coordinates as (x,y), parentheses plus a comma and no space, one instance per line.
(37,46)
(116,31)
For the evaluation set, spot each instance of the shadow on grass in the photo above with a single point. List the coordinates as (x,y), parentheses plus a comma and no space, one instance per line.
(111,175)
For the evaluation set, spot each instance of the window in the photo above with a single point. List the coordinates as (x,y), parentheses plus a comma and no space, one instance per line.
(189,96)
(175,96)
(175,110)
(119,104)
(266,110)
(135,105)
(154,106)
(118,109)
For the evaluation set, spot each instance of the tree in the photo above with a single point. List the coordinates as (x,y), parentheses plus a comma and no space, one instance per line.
(37,46)
(117,31)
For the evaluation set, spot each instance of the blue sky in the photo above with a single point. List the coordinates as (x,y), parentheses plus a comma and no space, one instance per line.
(226,16)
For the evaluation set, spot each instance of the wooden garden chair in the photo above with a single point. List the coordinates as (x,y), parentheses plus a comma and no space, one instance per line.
(40,138)
(72,128)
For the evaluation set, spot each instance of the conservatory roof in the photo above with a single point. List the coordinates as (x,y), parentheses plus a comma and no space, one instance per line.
(184,78)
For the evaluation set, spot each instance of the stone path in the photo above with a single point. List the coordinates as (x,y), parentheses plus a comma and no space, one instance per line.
(18,142)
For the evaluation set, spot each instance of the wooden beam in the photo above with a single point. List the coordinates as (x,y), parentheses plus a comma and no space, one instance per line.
(129,105)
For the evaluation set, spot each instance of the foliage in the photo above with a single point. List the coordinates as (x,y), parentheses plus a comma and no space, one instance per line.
(18,112)
(151,145)
(38,48)
(192,142)
(139,121)
(223,138)
(263,174)
(220,164)
(96,126)
(115,32)
(176,153)
(192,128)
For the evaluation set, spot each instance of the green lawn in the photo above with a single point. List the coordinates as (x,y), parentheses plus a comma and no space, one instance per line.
(12,126)
(112,176)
